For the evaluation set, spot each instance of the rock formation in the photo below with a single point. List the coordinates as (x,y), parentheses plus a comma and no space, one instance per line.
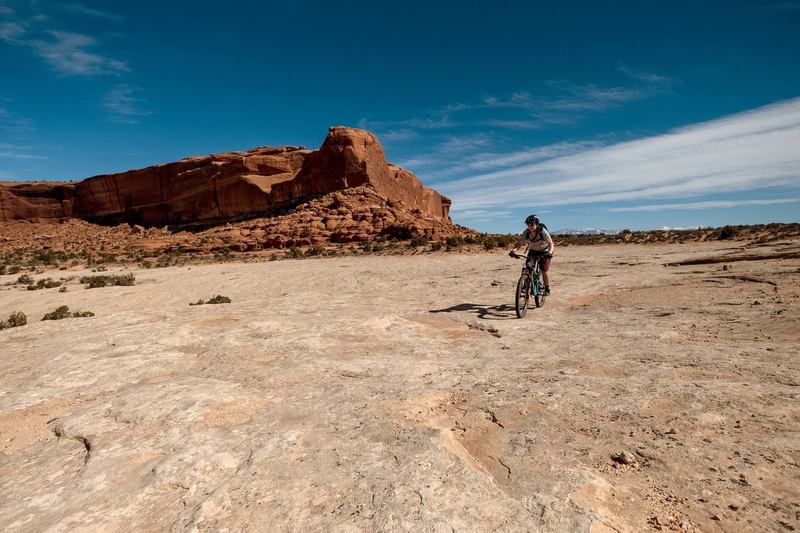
(219,188)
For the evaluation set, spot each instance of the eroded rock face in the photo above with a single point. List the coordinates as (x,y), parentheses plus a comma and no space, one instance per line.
(228,186)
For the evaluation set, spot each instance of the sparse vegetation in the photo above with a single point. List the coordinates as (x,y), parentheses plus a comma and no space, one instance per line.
(24,279)
(315,250)
(15,319)
(217,299)
(63,311)
(94,282)
(420,240)
(48,283)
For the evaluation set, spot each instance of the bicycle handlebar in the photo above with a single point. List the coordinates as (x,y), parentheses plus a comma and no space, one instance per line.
(519,256)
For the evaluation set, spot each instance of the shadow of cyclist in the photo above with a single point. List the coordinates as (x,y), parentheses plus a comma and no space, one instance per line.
(497,312)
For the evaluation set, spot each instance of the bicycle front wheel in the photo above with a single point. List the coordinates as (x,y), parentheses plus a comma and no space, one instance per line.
(522,295)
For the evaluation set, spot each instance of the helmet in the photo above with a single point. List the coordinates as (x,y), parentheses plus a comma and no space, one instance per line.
(532,219)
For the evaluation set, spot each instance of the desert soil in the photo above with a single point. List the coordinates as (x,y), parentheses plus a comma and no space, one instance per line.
(402,393)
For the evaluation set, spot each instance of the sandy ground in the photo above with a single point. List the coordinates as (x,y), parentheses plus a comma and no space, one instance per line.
(401,393)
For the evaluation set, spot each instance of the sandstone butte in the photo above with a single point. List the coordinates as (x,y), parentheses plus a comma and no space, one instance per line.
(216,189)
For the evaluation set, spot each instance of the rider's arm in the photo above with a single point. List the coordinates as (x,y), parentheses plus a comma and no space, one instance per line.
(550,243)
(517,244)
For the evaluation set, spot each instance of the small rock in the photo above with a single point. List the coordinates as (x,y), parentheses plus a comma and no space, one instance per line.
(624,457)
(756,302)
(715,517)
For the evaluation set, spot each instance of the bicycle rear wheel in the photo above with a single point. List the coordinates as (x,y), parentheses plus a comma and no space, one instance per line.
(522,295)
(538,290)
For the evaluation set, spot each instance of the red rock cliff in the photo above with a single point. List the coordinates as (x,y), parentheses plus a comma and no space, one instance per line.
(227,186)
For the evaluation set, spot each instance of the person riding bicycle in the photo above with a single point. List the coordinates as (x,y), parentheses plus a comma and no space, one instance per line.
(539,243)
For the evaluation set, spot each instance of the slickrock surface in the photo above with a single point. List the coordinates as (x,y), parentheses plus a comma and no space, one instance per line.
(226,187)
(401,393)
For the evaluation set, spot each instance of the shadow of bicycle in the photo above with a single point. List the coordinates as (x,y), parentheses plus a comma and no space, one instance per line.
(486,312)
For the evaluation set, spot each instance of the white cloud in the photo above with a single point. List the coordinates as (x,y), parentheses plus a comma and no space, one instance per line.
(69,53)
(92,12)
(124,102)
(712,204)
(747,151)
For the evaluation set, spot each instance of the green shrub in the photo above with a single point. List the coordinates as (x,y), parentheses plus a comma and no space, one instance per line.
(15,319)
(726,232)
(58,313)
(63,312)
(436,245)
(94,282)
(48,283)
(420,240)
(293,253)
(25,279)
(315,250)
(217,299)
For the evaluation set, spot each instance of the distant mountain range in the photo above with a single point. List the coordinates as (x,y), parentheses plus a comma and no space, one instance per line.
(585,231)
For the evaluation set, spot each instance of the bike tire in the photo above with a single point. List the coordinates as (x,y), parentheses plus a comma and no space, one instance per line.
(538,296)
(522,296)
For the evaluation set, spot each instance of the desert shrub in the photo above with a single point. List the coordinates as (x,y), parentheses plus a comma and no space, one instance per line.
(63,311)
(420,240)
(2,269)
(58,313)
(293,253)
(15,319)
(217,299)
(44,284)
(505,240)
(725,233)
(25,279)
(63,289)
(489,243)
(94,282)
(366,246)
(472,239)
(315,250)
(454,243)
(436,245)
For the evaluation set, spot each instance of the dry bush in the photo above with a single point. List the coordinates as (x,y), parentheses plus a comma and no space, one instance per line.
(217,299)
(63,311)
(15,319)
(94,282)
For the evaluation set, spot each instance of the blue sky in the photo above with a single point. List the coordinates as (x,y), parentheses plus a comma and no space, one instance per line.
(604,115)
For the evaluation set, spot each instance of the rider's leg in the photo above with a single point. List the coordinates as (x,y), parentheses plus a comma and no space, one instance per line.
(545,265)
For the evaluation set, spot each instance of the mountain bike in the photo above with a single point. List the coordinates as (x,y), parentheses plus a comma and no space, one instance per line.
(530,283)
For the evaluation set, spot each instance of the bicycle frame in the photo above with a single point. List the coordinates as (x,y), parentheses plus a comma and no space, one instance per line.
(530,283)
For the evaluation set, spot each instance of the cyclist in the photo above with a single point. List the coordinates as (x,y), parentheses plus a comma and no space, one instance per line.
(540,243)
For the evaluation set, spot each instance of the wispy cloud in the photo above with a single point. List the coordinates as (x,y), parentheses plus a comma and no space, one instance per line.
(743,152)
(10,151)
(15,124)
(125,104)
(551,103)
(92,12)
(68,53)
(713,204)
